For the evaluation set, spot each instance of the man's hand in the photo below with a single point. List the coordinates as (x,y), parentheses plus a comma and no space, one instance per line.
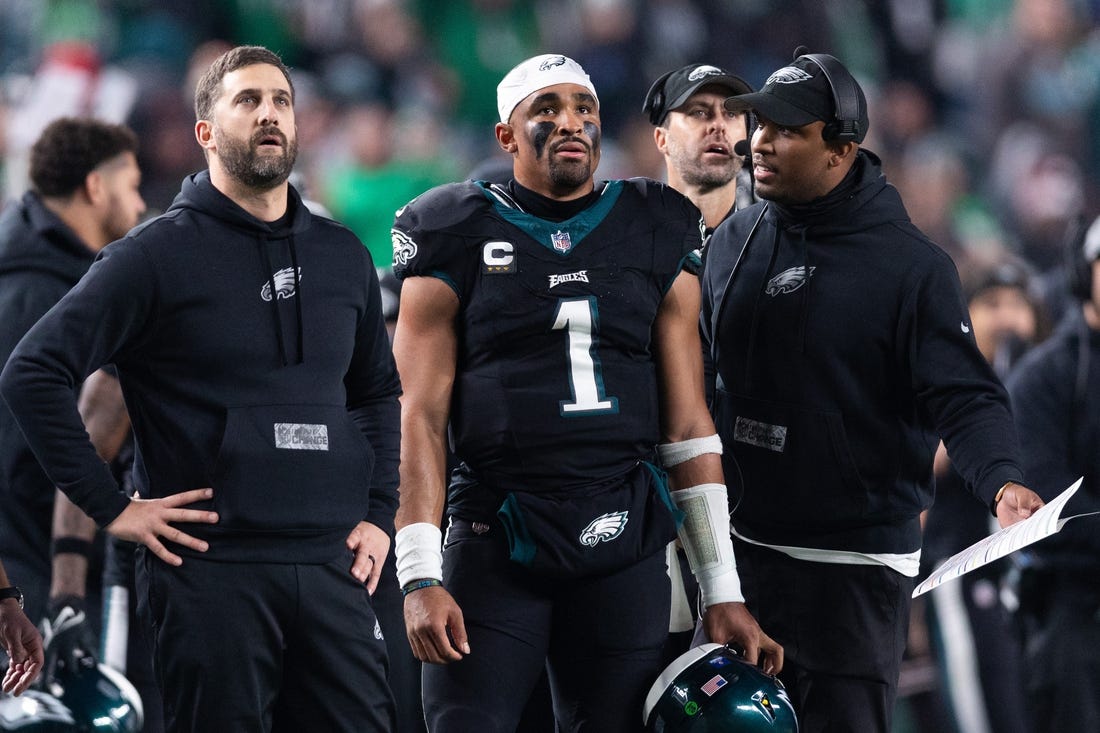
(433,621)
(23,645)
(1017,502)
(147,520)
(370,545)
(732,623)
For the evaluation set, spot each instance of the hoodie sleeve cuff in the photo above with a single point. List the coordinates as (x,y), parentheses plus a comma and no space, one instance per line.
(381,515)
(106,509)
(992,491)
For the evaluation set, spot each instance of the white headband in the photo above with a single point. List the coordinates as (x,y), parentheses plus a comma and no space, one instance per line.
(537,73)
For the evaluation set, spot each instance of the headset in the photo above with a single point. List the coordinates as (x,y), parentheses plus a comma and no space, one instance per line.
(655,99)
(846,126)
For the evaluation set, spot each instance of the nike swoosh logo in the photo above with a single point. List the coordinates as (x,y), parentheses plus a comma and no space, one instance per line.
(965,328)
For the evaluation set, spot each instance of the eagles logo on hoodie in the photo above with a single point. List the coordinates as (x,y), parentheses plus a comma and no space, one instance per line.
(284,284)
(789,281)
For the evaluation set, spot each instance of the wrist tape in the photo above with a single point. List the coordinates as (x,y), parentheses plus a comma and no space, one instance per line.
(419,551)
(705,535)
(672,454)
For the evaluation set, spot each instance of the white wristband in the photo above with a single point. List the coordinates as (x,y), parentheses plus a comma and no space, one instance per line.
(706,538)
(672,454)
(419,553)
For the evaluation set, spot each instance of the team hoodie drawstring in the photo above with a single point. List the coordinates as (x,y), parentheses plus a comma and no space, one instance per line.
(275,299)
(804,304)
(297,301)
(756,309)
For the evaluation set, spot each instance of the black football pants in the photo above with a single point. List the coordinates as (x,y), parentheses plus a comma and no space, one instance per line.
(600,639)
(264,647)
(843,629)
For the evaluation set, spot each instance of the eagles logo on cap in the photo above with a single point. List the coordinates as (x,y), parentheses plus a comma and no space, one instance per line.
(788,75)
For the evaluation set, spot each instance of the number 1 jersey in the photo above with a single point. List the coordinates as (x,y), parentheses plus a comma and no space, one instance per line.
(556,382)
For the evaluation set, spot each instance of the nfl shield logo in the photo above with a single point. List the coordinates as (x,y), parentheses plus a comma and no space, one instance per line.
(561,241)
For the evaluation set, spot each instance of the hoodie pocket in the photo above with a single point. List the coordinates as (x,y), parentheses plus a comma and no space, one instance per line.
(292,467)
(796,464)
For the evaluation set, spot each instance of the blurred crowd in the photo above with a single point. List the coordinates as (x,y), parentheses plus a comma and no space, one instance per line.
(986,112)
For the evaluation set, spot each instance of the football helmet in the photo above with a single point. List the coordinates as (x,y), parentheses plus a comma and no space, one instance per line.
(35,712)
(75,694)
(711,688)
(99,698)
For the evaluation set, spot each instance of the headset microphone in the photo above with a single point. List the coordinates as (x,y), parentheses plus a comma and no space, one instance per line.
(741,147)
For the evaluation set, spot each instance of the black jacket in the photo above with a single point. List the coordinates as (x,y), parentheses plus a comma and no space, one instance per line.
(1055,393)
(253,358)
(842,348)
(41,258)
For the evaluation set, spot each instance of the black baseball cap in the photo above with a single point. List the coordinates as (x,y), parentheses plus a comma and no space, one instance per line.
(1004,272)
(797,95)
(672,90)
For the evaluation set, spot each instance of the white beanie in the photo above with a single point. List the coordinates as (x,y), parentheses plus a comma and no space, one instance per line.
(537,73)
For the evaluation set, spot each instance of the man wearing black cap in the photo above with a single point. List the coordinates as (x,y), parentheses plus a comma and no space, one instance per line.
(1055,393)
(699,138)
(842,347)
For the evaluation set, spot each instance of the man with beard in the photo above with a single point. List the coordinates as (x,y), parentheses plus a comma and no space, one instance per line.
(84,194)
(550,324)
(700,138)
(250,346)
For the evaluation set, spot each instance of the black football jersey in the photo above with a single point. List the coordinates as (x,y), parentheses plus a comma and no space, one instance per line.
(556,384)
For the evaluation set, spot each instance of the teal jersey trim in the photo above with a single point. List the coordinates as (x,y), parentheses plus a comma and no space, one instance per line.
(691,263)
(555,235)
(441,275)
(520,543)
(660,485)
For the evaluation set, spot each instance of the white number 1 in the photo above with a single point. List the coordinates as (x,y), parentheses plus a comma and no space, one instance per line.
(580,321)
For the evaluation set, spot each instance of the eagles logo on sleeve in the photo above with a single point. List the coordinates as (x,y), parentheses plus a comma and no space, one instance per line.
(404,249)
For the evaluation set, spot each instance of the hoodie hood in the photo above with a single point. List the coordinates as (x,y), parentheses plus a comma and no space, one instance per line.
(199,194)
(34,239)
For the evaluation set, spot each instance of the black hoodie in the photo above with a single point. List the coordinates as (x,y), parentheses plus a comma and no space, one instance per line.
(845,349)
(253,358)
(41,258)
(1055,391)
